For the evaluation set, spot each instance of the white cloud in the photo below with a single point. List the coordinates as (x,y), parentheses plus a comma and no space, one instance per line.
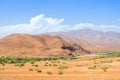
(38,24)
(114,28)
(41,24)
(40,20)
(83,26)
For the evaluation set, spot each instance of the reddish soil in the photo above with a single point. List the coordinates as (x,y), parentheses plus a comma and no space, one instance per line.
(77,70)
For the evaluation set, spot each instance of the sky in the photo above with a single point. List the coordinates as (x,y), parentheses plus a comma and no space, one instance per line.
(41,16)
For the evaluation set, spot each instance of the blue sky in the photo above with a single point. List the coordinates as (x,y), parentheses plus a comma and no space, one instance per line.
(73,11)
(85,13)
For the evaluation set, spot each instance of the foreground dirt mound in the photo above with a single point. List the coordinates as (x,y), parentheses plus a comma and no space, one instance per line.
(37,45)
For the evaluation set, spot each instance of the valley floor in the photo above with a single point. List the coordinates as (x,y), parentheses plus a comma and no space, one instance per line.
(78,69)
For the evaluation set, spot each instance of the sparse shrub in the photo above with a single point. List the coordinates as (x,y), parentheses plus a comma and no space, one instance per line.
(46,65)
(118,60)
(3,64)
(92,67)
(53,61)
(35,65)
(110,61)
(60,72)
(2,69)
(50,64)
(46,62)
(32,62)
(54,64)
(64,63)
(95,63)
(50,73)
(20,64)
(79,65)
(104,68)
(30,69)
(62,67)
(39,71)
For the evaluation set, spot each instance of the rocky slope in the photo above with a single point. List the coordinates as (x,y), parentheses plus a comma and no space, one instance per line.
(37,45)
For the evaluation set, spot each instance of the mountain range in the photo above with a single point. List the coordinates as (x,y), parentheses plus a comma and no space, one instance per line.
(92,40)
(81,41)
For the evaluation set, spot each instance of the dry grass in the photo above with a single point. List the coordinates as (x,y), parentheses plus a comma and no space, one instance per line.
(78,69)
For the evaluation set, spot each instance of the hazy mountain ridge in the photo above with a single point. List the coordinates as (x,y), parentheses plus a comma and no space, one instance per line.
(93,40)
(96,37)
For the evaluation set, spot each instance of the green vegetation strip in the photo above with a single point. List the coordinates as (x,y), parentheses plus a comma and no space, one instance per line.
(108,54)
(19,61)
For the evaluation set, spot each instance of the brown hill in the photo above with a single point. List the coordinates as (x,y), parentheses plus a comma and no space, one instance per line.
(37,45)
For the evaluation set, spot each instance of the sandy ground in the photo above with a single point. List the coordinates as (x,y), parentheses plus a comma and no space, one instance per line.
(77,70)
